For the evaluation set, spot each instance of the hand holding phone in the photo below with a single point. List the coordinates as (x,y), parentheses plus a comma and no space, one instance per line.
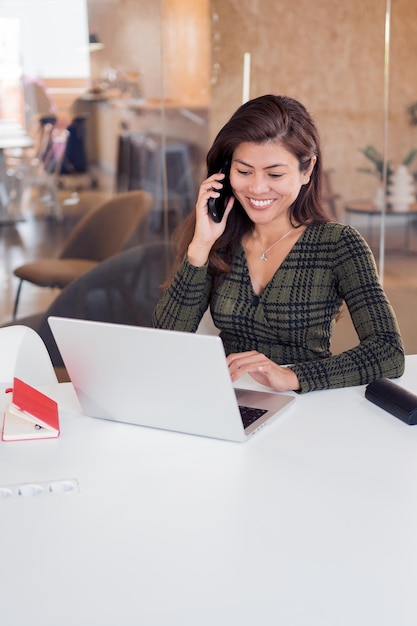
(217,206)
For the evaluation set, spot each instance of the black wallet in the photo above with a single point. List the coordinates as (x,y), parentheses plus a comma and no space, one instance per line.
(394,399)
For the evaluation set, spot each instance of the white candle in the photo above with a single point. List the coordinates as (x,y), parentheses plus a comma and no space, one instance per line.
(246,77)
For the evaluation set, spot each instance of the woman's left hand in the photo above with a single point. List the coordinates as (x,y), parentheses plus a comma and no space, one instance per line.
(263,370)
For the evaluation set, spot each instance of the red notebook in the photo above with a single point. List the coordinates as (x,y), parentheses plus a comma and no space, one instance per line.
(30,414)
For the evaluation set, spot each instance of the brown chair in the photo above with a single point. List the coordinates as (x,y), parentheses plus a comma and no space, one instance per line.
(100,234)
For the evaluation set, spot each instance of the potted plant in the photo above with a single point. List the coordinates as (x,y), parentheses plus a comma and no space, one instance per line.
(376,158)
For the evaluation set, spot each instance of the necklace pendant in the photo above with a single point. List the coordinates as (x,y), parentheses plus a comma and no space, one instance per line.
(263,257)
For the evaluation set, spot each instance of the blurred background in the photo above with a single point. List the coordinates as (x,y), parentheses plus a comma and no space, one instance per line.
(141,87)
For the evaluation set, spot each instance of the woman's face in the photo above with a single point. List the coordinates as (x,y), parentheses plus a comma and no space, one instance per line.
(266,179)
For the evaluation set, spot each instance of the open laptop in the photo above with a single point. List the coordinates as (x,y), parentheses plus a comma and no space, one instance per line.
(159,378)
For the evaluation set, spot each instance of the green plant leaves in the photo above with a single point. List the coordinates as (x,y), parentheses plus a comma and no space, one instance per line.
(373,155)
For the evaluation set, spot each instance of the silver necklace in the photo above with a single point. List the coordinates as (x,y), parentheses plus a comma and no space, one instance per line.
(263,256)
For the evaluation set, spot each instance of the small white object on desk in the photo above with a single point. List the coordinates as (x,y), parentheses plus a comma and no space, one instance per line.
(27,357)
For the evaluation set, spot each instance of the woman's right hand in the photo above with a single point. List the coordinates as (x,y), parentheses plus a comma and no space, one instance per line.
(207,231)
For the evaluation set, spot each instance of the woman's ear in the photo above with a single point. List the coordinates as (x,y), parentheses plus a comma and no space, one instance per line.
(312,164)
(309,171)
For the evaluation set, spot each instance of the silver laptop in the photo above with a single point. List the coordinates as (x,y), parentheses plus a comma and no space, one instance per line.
(163,379)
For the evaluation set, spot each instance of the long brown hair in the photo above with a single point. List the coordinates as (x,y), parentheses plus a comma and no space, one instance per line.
(267,118)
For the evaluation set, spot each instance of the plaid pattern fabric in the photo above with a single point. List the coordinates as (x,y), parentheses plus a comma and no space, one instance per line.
(292,320)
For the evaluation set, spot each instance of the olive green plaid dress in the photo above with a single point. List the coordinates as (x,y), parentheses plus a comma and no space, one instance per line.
(292,320)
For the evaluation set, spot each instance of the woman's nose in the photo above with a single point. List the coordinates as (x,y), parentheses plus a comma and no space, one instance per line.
(258,183)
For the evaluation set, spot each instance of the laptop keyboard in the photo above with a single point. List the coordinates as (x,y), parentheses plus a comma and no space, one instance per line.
(249,414)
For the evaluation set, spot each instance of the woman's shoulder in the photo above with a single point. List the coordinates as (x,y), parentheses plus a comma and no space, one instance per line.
(335,242)
(333,231)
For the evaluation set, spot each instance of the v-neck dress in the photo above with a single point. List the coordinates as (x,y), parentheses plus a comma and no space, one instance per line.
(291,321)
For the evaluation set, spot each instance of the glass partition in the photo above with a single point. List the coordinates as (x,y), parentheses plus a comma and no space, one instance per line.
(150,96)
(166,75)
(353,66)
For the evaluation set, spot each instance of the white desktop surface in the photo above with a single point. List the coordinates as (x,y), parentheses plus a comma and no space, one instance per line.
(312,522)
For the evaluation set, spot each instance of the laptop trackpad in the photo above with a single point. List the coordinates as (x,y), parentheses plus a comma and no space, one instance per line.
(272,402)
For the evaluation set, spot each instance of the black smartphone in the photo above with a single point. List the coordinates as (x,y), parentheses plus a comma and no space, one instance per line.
(217,206)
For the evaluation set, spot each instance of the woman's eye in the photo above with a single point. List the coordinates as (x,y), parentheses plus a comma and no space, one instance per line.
(249,172)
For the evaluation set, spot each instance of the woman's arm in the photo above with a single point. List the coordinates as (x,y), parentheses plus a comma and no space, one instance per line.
(183,304)
(186,299)
(380,352)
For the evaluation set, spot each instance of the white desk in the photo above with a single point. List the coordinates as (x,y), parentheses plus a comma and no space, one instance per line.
(311,523)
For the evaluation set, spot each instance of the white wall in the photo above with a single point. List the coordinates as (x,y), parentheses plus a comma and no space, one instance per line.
(53,36)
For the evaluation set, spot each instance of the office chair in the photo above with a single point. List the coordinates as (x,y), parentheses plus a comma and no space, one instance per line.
(42,171)
(123,289)
(100,234)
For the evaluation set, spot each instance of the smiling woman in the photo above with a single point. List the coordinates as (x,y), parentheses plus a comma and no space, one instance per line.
(275,271)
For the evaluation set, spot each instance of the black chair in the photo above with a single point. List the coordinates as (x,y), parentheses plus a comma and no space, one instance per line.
(123,289)
(102,232)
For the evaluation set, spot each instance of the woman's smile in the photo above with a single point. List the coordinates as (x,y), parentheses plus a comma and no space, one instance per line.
(260,204)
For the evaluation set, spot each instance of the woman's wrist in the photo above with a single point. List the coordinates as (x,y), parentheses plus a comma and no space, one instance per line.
(292,380)
(197,254)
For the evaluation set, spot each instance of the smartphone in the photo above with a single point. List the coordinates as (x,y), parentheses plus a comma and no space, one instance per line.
(217,206)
